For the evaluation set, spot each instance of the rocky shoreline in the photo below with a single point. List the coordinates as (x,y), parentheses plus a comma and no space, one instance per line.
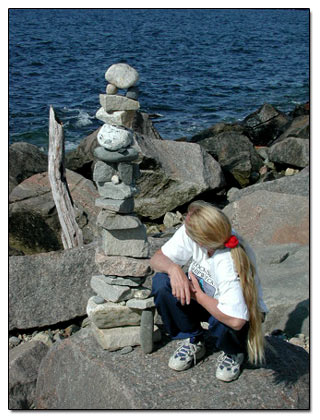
(256,170)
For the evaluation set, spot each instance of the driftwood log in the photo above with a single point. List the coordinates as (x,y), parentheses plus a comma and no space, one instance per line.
(71,234)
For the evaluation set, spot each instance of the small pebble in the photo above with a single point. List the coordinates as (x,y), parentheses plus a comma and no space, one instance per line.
(98,300)
(126,350)
(115,179)
(111,89)
(14,341)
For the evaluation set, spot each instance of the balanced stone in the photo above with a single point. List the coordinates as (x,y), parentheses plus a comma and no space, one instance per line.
(98,300)
(128,242)
(107,156)
(140,303)
(121,266)
(111,89)
(133,93)
(115,221)
(146,331)
(103,172)
(116,338)
(117,206)
(122,75)
(113,293)
(125,118)
(111,315)
(141,293)
(116,192)
(113,138)
(126,172)
(118,103)
(125,281)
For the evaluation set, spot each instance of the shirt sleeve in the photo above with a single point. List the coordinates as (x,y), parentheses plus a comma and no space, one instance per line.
(179,247)
(230,297)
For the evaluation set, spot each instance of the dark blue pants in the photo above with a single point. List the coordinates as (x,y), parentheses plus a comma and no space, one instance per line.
(183,321)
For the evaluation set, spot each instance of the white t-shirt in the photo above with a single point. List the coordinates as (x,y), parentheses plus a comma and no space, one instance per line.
(216,274)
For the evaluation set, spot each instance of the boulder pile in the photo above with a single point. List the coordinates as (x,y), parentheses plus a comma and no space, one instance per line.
(121,303)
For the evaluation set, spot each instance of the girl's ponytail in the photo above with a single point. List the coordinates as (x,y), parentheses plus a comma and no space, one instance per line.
(246,271)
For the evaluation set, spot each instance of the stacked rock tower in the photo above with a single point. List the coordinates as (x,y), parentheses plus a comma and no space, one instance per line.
(122,312)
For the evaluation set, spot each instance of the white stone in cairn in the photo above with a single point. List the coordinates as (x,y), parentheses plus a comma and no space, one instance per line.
(111,315)
(112,293)
(114,138)
(125,118)
(115,180)
(126,242)
(118,103)
(122,75)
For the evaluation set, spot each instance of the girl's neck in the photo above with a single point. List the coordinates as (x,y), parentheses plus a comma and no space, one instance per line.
(210,252)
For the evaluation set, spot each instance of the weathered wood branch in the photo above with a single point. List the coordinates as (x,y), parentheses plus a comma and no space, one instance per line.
(71,234)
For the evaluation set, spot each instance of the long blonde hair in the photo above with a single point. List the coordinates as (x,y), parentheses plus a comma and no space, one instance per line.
(210,227)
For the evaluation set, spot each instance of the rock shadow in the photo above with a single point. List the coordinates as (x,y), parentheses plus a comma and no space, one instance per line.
(287,362)
(296,318)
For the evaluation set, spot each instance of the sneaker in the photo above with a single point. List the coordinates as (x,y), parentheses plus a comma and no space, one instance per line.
(228,368)
(186,354)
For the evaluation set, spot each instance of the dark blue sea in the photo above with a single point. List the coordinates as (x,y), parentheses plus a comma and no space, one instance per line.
(197,66)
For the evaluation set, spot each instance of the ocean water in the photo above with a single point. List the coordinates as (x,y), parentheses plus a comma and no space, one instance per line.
(197,66)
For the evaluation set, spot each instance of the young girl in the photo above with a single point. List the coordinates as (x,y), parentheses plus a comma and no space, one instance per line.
(222,288)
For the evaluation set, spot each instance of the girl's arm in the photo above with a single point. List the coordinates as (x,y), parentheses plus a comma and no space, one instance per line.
(210,304)
(178,280)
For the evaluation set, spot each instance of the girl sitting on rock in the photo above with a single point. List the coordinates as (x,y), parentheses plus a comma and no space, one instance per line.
(222,288)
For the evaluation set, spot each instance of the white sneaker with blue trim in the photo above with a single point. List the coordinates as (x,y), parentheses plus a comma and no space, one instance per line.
(229,365)
(186,354)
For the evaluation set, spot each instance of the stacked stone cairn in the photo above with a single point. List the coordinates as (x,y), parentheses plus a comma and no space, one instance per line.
(122,311)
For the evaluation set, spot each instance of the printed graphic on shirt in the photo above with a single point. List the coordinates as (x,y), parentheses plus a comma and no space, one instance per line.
(204,278)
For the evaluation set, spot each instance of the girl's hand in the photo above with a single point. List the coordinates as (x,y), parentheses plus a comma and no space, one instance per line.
(195,289)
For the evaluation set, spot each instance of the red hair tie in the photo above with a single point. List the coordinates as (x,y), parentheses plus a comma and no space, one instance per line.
(232,242)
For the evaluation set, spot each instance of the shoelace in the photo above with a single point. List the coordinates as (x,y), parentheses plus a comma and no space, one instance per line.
(189,349)
(226,358)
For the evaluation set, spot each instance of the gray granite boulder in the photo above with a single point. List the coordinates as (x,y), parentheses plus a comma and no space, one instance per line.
(235,154)
(127,381)
(265,125)
(295,184)
(266,218)
(24,363)
(49,288)
(284,274)
(25,160)
(299,127)
(33,220)
(292,151)
(179,172)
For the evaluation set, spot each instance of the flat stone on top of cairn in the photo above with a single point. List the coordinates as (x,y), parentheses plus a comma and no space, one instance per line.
(122,75)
